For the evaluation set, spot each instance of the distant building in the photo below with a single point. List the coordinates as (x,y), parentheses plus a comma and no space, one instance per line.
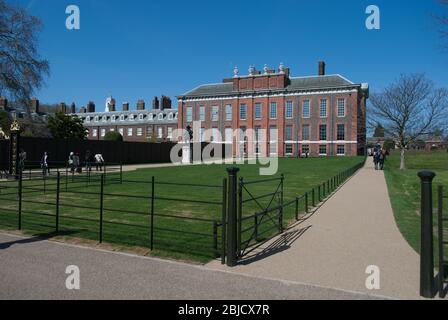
(140,125)
(322,115)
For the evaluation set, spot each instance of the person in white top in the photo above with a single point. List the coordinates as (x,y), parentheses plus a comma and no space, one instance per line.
(99,161)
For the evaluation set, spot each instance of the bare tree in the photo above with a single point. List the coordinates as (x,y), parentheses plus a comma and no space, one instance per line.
(21,69)
(409,109)
(441,18)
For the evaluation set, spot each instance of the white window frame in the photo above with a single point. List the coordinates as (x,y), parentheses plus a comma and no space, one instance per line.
(308,107)
(139,132)
(289,106)
(215,113)
(229,115)
(344,106)
(130,132)
(258,106)
(272,108)
(245,111)
(321,104)
(189,116)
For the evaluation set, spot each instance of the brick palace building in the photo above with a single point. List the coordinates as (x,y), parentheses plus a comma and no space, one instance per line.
(140,125)
(322,115)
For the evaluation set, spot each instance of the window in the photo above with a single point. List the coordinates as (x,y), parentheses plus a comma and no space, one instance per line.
(103,132)
(258,139)
(170,133)
(273,138)
(104,119)
(130,132)
(189,114)
(305,149)
(341,150)
(150,117)
(122,117)
(140,116)
(257,112)
(113,118)
(94,132)
(229,112)
(341,132)
(161,116)
(201,134)
(139,132)
(322,150)
(131,117)
(96,118)
(273,110)
(306,109)
(229,135)
(323,108)
(202,113)
(170,116)
(288,149)
(306,133)
(160,132)
(243,112)
(148,131)
(215,113)
(288,133)
(121,131)
(112,130)
(289,110)
(88,119)
(341,108)
(323,132)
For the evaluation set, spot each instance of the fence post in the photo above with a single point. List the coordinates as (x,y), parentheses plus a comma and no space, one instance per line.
(121,172)
(441,276)
(318,194)
(58,187)
(239,216)
(427,253)
(297,209)
(224,221)
(66,179)
(101,207)
(280,220)
(20,200)
(232,217)
(313,196)
(152,213)
(215,239)
(306,203)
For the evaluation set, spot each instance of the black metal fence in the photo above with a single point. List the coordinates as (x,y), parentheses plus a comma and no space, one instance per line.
(430,285)
(442,219)
(226,220)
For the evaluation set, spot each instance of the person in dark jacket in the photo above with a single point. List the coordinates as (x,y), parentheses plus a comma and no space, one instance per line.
(89,160)
(44,164)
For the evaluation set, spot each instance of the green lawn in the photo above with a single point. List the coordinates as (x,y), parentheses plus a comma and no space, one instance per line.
(404,190)
(185,215)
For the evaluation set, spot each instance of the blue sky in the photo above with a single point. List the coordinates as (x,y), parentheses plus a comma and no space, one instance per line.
(138,49)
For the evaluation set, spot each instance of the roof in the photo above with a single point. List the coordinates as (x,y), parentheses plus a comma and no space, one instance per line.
(297,83)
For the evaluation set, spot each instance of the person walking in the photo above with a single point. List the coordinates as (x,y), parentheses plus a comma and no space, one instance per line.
(382,158)
(89,159)
(22,159)
(71,162)
(44,164)
(99,161)
(376,159)
(76,163)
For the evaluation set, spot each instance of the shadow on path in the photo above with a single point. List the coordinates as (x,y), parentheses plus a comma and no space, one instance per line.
(35,238)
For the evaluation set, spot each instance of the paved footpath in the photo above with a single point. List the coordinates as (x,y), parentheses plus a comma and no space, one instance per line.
(352,230)
(32,268)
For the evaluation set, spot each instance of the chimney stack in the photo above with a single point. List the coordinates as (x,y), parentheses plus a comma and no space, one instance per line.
(155,103)
(34,105)
(321,68)
(140,105)
(3,103)
(126,106)
(82,110)
(166,103)
(112,104)
(91,107)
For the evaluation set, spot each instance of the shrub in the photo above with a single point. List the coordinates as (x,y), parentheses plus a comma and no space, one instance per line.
(113,136)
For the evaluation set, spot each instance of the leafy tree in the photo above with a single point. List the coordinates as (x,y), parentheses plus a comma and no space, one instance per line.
(409,109)
(389,144)
(113,136)
(21,69)
(64,126)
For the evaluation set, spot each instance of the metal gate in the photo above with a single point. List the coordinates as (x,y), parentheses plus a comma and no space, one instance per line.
(443,243)
(260,212)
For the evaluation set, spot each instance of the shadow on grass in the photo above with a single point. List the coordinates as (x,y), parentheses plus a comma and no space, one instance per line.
(35,238)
